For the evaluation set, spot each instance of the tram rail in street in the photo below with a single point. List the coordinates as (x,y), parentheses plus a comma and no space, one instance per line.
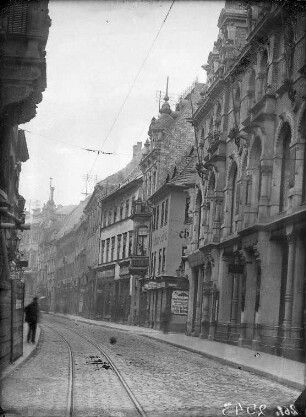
(70,404)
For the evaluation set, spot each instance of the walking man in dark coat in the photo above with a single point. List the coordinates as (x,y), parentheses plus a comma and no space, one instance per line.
(31,317)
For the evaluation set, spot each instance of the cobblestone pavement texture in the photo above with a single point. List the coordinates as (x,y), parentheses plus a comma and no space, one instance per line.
(96,388)
(167,381)
(41,383)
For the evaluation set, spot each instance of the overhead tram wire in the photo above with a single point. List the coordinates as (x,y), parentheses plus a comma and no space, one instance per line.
(98,151)
(135,79)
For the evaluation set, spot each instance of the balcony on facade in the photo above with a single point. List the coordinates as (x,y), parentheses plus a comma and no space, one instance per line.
(138,265)
(140,210)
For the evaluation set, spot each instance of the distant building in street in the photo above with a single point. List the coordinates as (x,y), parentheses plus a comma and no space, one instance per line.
(69,267)
(122,245)
(38,249)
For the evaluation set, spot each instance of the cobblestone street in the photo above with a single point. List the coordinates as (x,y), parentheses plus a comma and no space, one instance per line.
(167,381)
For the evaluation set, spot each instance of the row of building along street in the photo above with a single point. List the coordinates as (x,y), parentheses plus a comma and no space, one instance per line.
(203,232)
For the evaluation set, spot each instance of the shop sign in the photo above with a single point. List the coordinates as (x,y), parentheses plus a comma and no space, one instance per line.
(18,304)
(154,285)
(99,291)
(106,274)
(179,302)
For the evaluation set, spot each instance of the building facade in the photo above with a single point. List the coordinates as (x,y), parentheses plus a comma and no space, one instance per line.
(121,245)
(167,289)
(24,28)
(170,135)
(247,247)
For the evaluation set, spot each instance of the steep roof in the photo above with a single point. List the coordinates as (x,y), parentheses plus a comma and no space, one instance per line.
(184,171)
(72,219)
(64,210)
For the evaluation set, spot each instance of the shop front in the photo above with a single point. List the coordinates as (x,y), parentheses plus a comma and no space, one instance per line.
(105,294)
(122,295)
(167,304)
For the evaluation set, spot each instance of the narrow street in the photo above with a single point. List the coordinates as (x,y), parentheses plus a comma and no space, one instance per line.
(165,380)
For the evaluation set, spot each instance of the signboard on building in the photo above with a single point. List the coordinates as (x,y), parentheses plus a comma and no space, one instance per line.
(179,302)
(108,273)
(154,285)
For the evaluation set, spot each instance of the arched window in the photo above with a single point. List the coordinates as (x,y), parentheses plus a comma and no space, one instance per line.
(251,89)
(255,170)
(233,197)
(199,211)
(286,166)
(237,104)
(262,75)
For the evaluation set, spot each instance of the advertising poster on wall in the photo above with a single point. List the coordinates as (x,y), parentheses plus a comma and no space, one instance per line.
(179,302)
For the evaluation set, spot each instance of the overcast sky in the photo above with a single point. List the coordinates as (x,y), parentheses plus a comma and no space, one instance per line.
(94,51)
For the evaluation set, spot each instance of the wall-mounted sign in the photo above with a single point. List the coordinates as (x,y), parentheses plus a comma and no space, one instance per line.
(179,302)
(154,285)
(107,273)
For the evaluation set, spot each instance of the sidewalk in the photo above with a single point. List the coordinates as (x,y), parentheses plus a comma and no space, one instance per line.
(279,369)
(28,351)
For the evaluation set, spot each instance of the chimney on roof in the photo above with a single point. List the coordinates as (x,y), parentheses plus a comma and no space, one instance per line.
(137,149)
